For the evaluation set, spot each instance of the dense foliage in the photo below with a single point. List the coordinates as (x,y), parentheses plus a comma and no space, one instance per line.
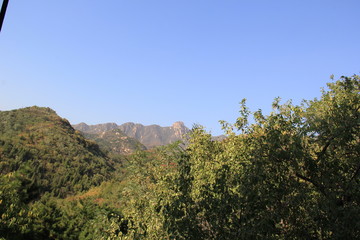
(44,147)
(293,174)
(41,153)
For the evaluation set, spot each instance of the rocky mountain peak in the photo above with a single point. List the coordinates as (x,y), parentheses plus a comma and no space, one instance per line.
(179,129)
(83,127)
(178,124)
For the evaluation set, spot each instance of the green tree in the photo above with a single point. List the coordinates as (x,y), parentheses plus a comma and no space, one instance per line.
(291,175)
(13,208)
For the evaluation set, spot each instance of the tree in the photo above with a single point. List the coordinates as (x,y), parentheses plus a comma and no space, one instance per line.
(291,175)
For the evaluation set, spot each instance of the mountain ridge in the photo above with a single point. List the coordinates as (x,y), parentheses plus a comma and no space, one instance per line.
(148,135)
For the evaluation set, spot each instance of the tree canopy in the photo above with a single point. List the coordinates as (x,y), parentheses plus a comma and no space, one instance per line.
(293,174)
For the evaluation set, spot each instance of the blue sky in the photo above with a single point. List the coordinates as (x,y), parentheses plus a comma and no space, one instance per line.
(161,61)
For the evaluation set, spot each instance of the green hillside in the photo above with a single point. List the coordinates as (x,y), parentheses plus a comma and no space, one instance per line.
(43,148)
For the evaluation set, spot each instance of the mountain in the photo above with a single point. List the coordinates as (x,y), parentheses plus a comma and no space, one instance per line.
(154,135)
(150,136)
(48,154)
(95,129)
(115,141)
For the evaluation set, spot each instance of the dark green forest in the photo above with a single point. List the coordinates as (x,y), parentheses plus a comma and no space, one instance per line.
(292,174)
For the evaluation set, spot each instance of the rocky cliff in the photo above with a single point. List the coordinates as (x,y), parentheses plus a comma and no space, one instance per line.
(150,136)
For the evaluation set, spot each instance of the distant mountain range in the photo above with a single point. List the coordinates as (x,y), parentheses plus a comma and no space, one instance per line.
(127,137)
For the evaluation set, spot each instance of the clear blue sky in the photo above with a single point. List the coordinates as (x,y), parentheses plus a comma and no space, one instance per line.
(161,61)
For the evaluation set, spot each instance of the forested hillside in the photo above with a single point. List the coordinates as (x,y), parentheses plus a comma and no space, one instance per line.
(40,153)
(37,143)
(293,174)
